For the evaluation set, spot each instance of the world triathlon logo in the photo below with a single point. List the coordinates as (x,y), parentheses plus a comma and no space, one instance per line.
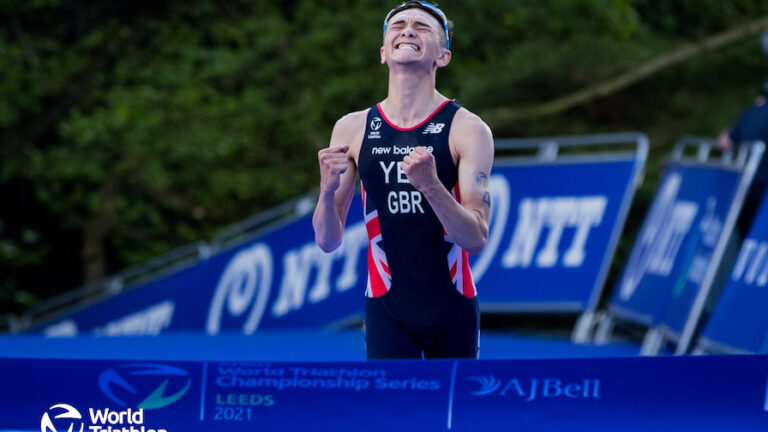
(65,417)
(146,386)
(376,124)
(488,385)
(68,418)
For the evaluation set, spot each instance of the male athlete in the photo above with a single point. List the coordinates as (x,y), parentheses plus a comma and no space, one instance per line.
(424,164)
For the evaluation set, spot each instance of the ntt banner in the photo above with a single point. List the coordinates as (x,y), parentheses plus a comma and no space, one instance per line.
(278,280)
(740,319)
(551,222)
(552,229)
(628,394)
(674,248)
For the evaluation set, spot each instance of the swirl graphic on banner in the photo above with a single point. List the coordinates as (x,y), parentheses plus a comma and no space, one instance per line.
(488,384)
(110,380)
(247,279)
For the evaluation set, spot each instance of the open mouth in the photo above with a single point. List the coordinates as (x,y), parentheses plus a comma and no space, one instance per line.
(407,46)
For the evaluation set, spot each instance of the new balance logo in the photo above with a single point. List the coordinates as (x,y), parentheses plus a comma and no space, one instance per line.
(433,128)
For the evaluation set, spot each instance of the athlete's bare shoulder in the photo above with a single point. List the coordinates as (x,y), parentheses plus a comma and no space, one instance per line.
(469,133)
(352,121)
(349,130)
(467,121)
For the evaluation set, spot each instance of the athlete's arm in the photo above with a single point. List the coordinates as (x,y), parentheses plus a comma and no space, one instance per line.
(337,181)
(466,223)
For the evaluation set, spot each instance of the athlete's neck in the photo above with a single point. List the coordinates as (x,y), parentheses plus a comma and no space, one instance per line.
(411,98)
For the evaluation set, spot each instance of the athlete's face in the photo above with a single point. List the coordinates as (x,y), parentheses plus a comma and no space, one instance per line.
(414,36)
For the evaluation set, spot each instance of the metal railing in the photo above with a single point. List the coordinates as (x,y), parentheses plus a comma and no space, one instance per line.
(265,221)
(703,150)
(558,147)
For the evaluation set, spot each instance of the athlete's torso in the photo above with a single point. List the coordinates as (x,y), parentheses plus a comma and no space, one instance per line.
(412,264)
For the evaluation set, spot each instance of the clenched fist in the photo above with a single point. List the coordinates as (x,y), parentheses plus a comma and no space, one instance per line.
(334,162)
(419,167)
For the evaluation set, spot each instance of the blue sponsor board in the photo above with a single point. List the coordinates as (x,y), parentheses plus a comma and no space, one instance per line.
(739,320)
(698,256)
(673,250)
(630,394)
(279,280)
(551,222)
(551,235)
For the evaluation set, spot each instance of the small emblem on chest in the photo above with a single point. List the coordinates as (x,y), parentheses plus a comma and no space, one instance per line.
(433,128)
(375,126)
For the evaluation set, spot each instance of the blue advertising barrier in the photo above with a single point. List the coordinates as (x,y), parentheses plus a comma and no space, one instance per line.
(278,280)
(671,269)
(630,394)
(555,222)
(739,322)
(551,230)
(674,245)
(281,345)
(554,219)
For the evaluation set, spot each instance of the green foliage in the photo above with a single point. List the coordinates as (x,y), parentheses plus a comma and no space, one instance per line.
(141,126)
(696,18)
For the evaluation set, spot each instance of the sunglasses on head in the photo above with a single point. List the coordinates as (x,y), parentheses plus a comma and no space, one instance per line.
(427,7)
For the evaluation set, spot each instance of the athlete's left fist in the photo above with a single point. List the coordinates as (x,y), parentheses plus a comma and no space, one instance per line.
(419,167)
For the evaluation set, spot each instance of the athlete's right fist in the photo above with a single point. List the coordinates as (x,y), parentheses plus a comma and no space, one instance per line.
(334,162)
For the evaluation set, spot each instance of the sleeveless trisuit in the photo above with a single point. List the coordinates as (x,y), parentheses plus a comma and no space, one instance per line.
(420,297)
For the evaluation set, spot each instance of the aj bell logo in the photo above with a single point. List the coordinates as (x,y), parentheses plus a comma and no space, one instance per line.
(533,388)
(68,415)
(126,384)
(433,128)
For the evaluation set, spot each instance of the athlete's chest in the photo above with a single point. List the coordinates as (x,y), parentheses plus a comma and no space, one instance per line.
(384,156)
(384,145)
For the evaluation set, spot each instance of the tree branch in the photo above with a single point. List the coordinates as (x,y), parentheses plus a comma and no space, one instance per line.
(503,115)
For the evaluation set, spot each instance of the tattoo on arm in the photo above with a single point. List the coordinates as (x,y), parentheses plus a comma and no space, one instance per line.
(481,179)
(487,199)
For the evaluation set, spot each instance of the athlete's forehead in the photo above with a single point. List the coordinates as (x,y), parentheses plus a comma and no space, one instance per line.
(414,14)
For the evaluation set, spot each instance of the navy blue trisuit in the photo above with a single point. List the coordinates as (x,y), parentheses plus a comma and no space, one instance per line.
(421,301)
